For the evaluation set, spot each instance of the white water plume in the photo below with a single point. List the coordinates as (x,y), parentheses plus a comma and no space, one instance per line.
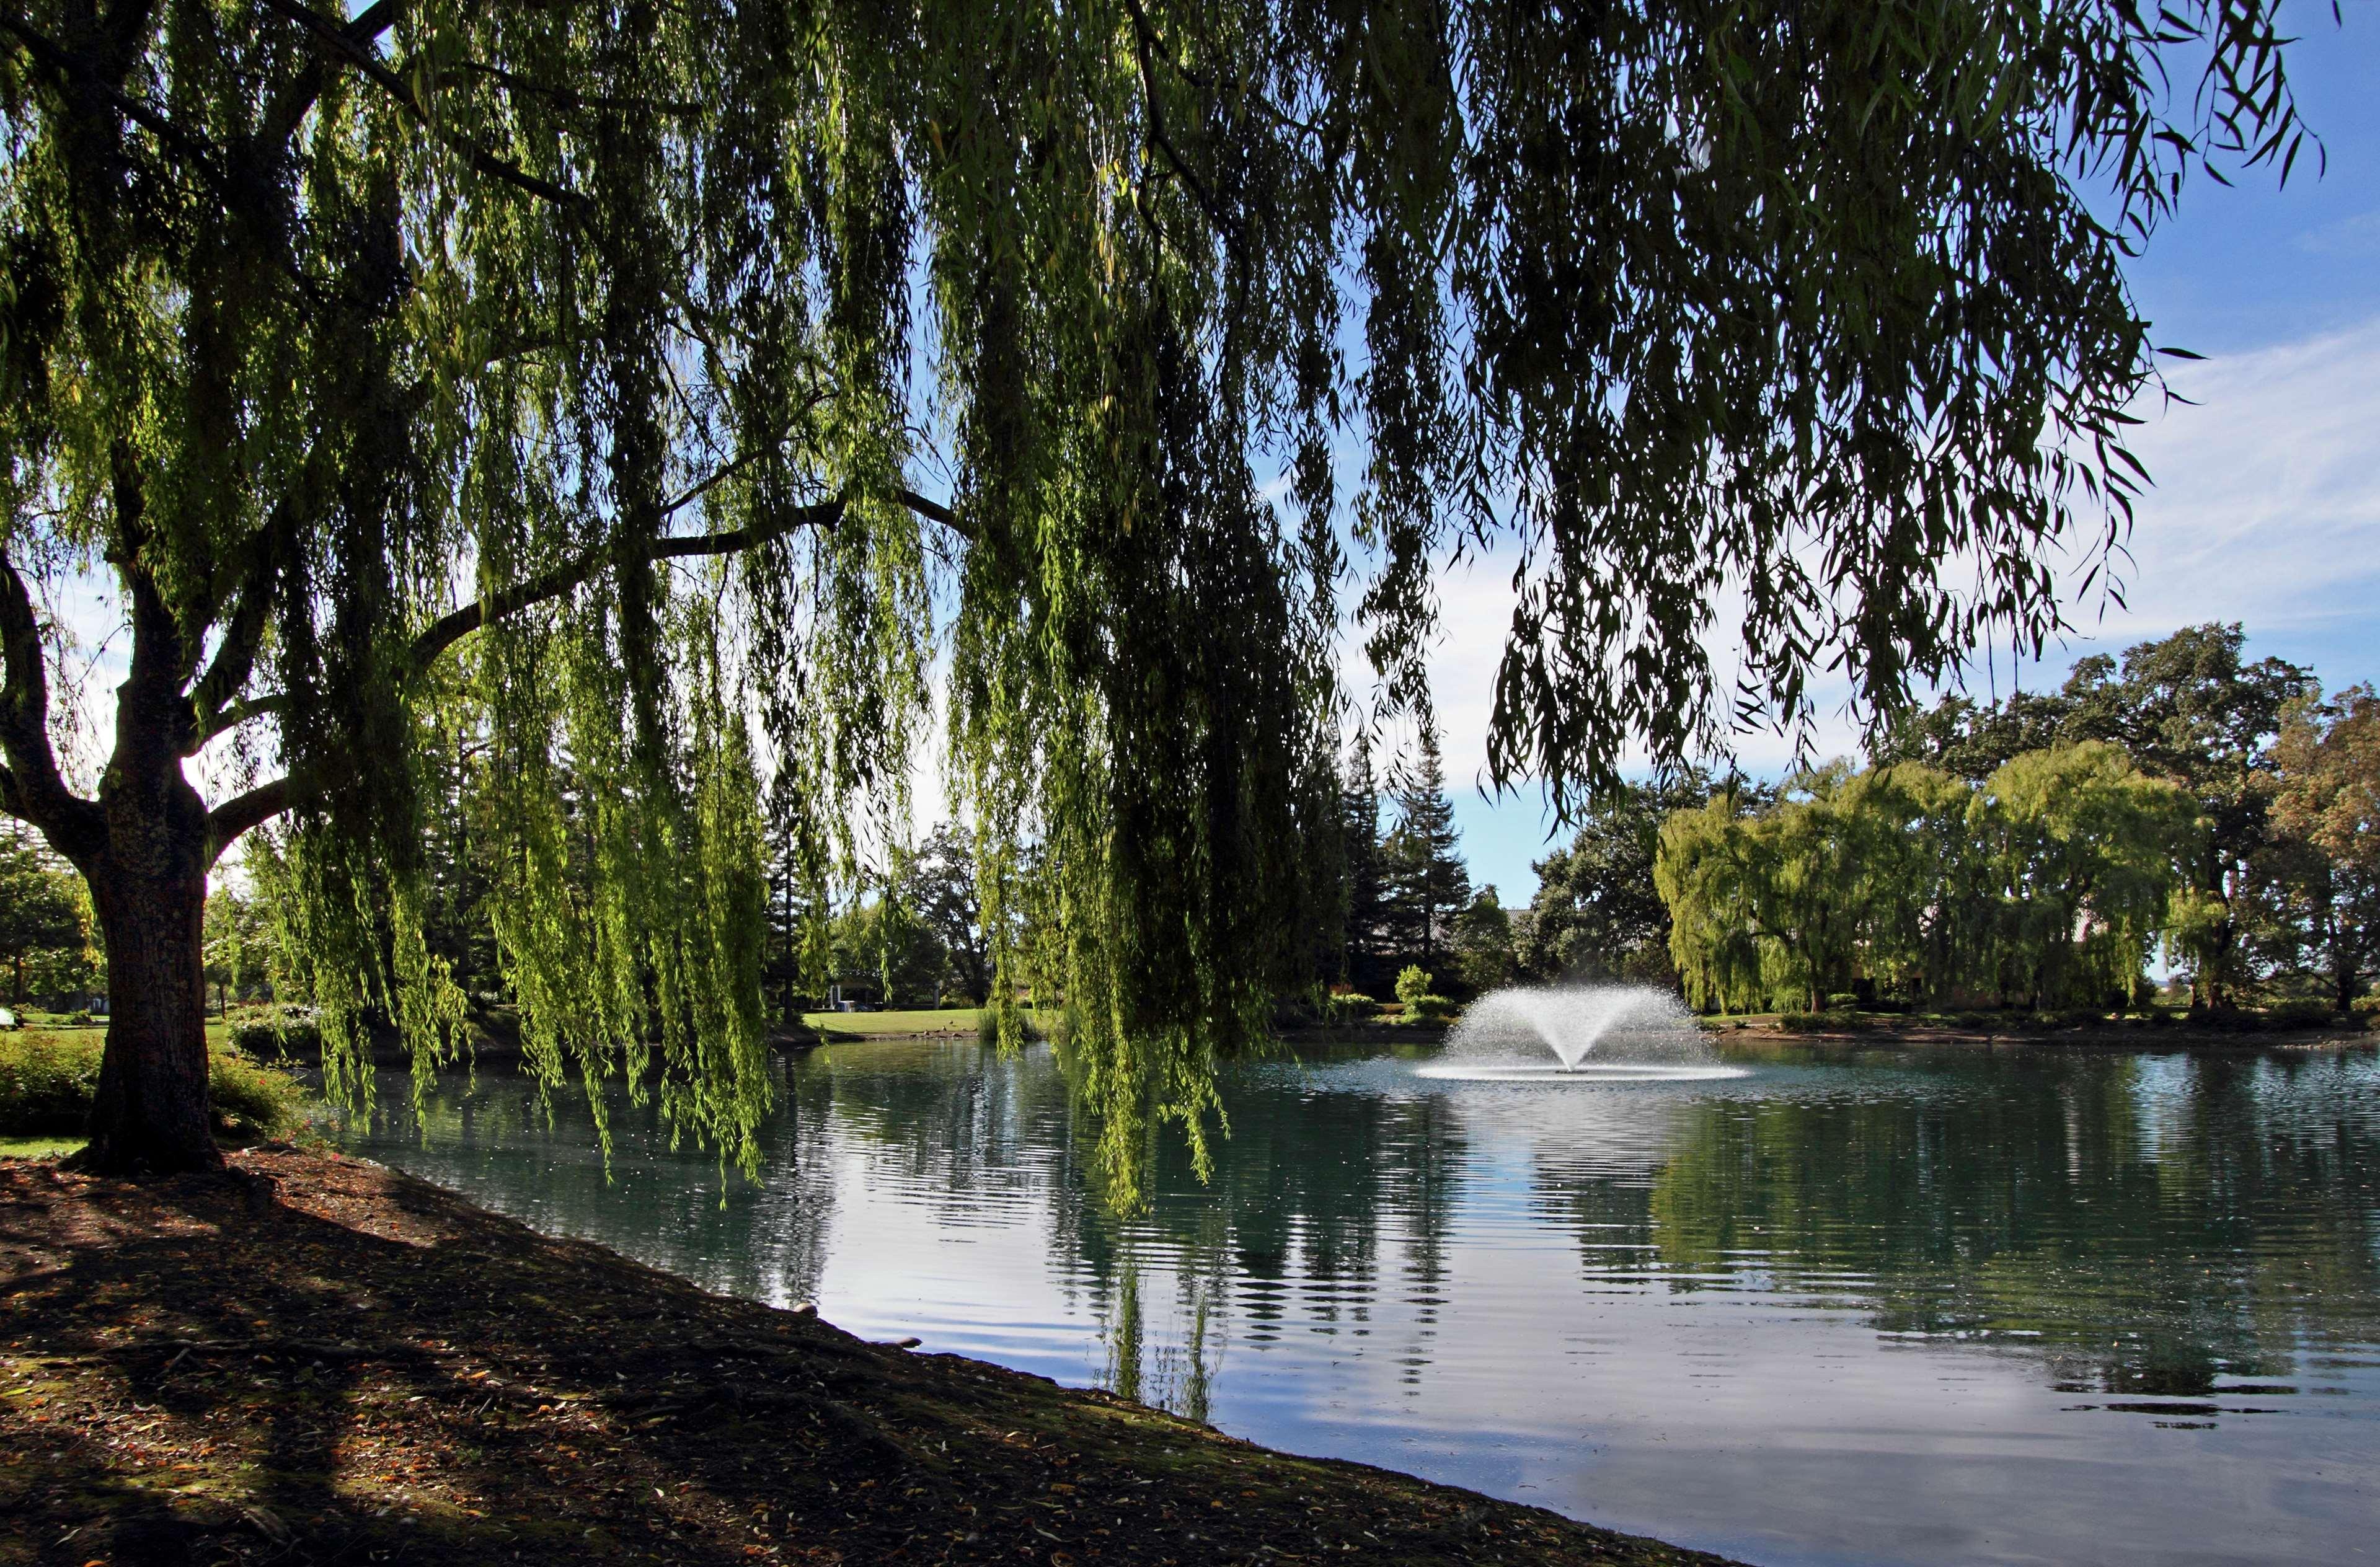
(1580,1032)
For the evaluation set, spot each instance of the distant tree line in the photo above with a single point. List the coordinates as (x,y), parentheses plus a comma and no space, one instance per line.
(2033,851)
(913,939)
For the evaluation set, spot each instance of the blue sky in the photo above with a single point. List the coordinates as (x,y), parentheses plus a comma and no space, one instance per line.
(2266,509)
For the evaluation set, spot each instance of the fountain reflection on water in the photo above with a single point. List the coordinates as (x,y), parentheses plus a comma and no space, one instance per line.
(1594,1033)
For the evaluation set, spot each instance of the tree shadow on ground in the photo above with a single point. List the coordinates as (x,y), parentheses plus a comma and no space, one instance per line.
(358,1367)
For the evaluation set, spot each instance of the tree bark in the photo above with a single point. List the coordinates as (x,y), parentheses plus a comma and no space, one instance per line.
(152,1114)
(149,889)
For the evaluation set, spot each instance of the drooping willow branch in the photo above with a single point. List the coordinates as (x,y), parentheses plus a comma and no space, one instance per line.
(267,800)
(354,52)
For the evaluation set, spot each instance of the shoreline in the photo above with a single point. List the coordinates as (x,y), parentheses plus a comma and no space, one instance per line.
(2179,1037)
(319,1357)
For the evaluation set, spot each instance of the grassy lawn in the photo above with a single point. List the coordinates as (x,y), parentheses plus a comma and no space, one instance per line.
(38,1026)
(886,1025)
(39,1147)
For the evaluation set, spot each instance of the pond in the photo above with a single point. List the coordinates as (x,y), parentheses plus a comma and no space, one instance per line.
(1854,1304)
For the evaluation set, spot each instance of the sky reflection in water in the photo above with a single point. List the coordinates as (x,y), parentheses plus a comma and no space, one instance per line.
(1854,1305)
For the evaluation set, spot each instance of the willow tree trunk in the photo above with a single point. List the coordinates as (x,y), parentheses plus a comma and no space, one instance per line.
(149,889)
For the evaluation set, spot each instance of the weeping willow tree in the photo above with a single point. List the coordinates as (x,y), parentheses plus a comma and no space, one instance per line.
(567,376)
(2051,881)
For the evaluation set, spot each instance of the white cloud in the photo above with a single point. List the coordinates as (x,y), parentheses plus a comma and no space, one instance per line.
(2267,508)
(2355,235)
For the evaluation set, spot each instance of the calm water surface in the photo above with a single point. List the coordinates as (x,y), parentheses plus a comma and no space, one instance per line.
(2024,1306)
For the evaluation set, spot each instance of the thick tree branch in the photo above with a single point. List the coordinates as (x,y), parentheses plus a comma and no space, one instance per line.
(228,671)
(297,96)
(371,22)
(151,708)
(228,821)
(30,786)
(452,628)
(211,699)
(1144,38)
(123,25)
(230,718)
(934,511)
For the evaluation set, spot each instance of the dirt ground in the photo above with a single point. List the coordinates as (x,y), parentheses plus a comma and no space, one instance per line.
(322,1360)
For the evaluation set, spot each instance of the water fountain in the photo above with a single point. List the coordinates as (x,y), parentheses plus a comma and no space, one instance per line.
(1597,1033)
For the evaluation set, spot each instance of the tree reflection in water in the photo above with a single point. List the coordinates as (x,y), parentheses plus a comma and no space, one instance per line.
(1497,1270)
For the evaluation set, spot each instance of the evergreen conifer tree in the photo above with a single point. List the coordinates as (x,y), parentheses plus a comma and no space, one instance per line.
(1367,911)
(1427,882)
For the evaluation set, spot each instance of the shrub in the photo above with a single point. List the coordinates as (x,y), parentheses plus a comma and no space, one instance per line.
(47,1084)
(1842,1000)
(1428,1009)
(1351,1008)
(2301,1015)
(278,1036)
(253,1102)
(2366,1006)
(1412,983)
(1820,1022)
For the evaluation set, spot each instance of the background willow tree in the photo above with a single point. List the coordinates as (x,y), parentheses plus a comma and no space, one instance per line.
(2050,881)
(558,371)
